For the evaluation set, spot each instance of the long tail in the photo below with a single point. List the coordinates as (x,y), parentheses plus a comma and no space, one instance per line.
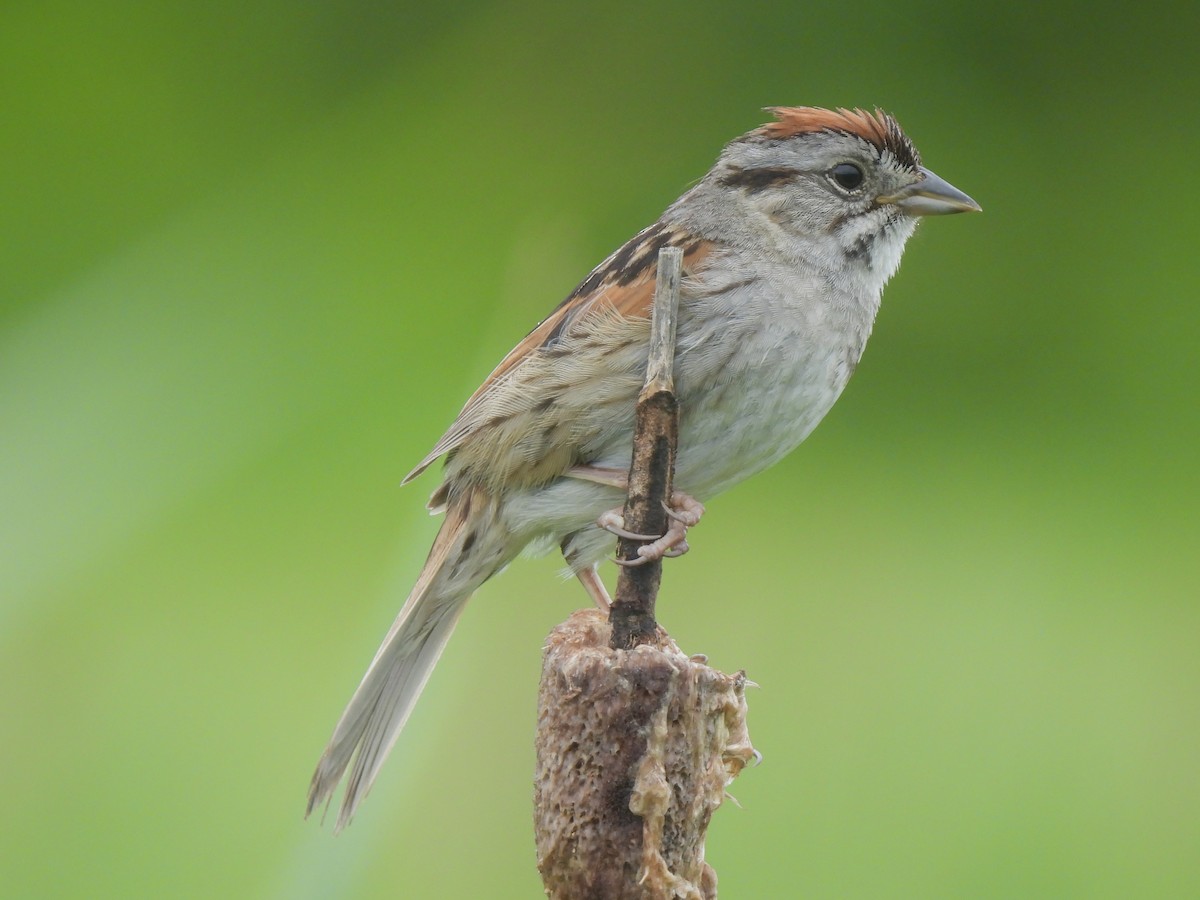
(470,547)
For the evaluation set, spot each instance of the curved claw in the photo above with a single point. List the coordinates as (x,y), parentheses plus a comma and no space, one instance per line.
(613,523)
(684,509)
(631,535)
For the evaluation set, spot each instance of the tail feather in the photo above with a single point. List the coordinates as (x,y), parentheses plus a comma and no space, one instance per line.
(466,552)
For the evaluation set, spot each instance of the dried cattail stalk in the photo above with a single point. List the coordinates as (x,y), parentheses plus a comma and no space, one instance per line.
(634,751)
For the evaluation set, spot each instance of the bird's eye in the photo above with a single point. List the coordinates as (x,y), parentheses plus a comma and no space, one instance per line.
(847,175)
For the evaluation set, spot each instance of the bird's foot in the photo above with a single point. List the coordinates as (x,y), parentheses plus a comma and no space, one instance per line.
(683,512)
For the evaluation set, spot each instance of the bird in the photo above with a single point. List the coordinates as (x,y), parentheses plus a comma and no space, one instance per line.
(787,243)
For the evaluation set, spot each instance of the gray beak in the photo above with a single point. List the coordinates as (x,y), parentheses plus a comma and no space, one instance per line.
(931,196)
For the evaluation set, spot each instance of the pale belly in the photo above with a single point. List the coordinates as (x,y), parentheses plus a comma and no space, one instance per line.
(742,425)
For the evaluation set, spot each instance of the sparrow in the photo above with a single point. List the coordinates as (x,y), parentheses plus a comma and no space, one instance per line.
(787,244)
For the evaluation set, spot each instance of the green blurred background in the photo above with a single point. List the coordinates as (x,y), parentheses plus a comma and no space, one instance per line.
(253,256)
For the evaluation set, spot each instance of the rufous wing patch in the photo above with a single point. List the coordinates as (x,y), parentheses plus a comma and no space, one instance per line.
(623,283)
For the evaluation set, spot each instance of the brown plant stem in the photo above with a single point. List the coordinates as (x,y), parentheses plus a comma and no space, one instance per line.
(652,470)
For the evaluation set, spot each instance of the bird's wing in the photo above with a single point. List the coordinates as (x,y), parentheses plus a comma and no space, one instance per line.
(620,288)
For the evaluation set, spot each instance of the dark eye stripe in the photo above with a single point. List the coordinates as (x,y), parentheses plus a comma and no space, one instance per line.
(754,180)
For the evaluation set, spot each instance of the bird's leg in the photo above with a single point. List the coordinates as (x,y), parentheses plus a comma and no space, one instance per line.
(590,579)
(617,478)
(613,520)
(588,576)
(684,511)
